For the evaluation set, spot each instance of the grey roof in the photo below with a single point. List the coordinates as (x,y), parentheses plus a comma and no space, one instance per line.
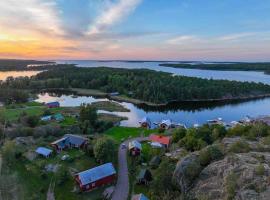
(76,139)
(135,144)
(97,173)
(70,139)
(167,122)
(43,151)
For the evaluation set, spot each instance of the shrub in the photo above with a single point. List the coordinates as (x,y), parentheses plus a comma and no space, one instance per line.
(260,170)
(266,140)
(178,134)
(205,157)
(104,150)
(32,121)
(209,154)
(239,147)
(231,185)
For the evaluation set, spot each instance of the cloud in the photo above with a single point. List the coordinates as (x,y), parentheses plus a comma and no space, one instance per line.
(113,14)
(183,39)
(28,16)
(236,36)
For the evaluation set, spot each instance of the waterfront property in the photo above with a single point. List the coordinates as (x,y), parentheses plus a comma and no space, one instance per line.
(96,177)
(163,140)
(70,141)
(145,123)
(55,104)
(134,148)
(45,152)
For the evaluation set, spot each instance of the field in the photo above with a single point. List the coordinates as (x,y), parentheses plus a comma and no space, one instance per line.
(13,112)
(34,181)
(109,106)
(122,133)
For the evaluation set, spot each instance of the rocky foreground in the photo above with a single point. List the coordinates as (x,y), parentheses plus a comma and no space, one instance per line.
(235,168)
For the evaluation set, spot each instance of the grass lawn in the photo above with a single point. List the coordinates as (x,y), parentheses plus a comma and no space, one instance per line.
(123,133)
(89,92)
(109,106)
(68,121)
(35,181)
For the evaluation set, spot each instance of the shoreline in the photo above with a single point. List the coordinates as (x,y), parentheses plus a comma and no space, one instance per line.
(100,94)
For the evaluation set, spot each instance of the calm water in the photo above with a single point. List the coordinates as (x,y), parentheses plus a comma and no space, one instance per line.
(188,114)
(15,74)
(225,75)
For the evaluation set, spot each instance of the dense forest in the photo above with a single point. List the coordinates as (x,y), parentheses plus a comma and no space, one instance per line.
(223,67)
(146,85)
(11,64)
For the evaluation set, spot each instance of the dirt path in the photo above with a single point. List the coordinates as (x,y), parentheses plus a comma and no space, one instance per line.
(122,187)
(50,193)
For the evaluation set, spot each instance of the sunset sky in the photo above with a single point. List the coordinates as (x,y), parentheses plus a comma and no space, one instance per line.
(217,30)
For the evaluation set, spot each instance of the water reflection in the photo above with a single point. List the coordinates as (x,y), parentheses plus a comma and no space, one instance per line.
(187,113)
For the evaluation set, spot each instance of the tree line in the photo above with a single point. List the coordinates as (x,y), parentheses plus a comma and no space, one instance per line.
(222,67)
(143,84)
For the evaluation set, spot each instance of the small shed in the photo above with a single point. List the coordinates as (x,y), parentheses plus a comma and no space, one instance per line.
(139,197)
(145,123)
(44,151)
(58,117)
(55,104)
(135,148)
(154,162)
(46,118)
(144,177)
(96,177)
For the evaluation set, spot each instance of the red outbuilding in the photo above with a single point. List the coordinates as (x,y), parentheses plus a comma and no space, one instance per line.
(96,177)
(163,140)
(55,104)
(134,148)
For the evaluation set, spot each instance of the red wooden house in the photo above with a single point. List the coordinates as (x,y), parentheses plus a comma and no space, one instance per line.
(96,177)
(53,104)
(163,140)
(134,148)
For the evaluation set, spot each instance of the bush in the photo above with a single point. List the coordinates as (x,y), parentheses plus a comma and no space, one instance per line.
(258,130)
(205,157)
(178,134)
(231,185)
(32,121)
(239,147)
(104,150)
(210,154)
(260,170)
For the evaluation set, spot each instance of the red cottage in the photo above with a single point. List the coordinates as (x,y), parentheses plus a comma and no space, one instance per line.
(134,148)
(96,177)
(53,104)
(163,140)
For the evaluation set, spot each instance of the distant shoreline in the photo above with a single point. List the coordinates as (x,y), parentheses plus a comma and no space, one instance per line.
(100,94)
